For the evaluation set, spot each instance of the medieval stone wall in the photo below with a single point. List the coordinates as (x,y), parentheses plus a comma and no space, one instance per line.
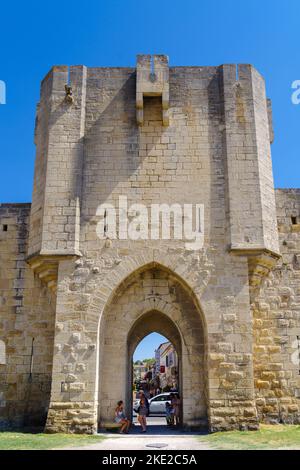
(276,322)
(26,326)
(150,300)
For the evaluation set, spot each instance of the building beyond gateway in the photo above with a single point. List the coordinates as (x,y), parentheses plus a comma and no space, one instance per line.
(166,367)
(75,304)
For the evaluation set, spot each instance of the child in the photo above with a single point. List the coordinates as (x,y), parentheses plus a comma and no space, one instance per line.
(169,415)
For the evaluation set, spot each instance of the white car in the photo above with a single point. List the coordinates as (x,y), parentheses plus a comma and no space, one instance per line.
(157,404)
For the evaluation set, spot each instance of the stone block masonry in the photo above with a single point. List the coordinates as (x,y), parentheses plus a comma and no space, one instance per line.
(75,305)
(27,312)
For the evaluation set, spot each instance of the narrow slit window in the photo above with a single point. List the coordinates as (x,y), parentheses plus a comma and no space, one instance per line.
(5,227)
(105,223)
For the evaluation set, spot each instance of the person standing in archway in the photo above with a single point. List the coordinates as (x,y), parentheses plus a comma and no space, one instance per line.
(142,395)
(142,414)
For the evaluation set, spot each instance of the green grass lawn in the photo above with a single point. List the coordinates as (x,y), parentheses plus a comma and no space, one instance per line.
(268,437)
(41,441)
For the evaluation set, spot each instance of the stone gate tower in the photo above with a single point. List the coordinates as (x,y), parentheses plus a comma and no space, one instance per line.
(75,300)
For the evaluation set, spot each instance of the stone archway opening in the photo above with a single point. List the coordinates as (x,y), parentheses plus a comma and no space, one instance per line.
(164,375)
(152,300)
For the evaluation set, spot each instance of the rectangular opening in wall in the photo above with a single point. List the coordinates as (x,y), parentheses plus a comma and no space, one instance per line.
(4,227)
(153,110)
(294,220)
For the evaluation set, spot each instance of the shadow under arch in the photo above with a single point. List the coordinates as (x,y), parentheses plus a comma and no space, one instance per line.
(152,290)
(151,322)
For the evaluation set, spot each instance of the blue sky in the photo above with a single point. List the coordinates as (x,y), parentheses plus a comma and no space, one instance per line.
(146,348)
(35,35)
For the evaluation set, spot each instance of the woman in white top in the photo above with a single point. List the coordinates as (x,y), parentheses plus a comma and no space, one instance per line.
(120,418)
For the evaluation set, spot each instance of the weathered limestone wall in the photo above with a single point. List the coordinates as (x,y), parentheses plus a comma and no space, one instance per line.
(183,162)
(198,135)
(55,214)
(276,317)
(85,290)
(26,312)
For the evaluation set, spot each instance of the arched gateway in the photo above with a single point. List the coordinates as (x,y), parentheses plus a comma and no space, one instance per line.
(152,299)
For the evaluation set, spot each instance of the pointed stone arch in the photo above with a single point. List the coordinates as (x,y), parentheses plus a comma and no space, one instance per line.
(146,324)
(152,289)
